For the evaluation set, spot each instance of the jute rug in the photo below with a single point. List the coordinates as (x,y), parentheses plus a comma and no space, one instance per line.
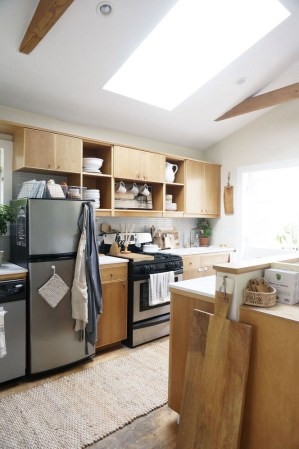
(77,410)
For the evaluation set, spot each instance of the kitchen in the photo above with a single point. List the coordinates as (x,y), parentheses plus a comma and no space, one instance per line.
(271,137)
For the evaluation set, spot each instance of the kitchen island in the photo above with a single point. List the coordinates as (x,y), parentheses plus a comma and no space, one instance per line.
(272,403)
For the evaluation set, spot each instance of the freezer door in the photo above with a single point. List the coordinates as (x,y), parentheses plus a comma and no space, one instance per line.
(53,341)
(53,226)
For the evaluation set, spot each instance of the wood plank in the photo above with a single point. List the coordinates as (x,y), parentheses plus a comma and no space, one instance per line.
(213,402)
(266,100)
(46,15)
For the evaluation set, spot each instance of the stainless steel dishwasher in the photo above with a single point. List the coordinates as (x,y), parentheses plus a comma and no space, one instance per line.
(13,329)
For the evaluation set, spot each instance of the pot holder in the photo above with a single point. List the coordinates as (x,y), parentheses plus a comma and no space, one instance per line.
(54,290)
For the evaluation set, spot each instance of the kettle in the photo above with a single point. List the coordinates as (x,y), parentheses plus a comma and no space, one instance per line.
(170,171)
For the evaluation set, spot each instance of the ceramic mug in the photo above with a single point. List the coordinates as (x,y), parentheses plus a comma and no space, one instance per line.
(120,187)
(144,190)
(134,189)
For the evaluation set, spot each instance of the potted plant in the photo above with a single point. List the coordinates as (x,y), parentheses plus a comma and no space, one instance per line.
(205,230)
(7,215)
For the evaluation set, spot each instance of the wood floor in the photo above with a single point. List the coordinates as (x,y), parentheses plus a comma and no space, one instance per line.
(157,430)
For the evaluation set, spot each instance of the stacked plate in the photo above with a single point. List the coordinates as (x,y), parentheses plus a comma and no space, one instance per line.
(92,164)
(92,195)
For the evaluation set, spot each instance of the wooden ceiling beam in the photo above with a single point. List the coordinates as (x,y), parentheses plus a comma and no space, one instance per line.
(266,100)
(46,15)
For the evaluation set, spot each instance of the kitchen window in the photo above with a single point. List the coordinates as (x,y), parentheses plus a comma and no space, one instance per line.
(269,209)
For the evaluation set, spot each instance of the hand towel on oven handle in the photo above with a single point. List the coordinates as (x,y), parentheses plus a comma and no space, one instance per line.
(3,351)
(159,287)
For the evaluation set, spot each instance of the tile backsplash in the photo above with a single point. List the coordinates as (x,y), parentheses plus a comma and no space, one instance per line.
(144,224)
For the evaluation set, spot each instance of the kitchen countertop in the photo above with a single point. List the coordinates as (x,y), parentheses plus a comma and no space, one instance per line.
(197,250)
(12,271)
(105,260)
(204,286)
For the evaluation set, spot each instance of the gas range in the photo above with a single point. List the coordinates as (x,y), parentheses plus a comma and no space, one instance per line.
(145,321)
(160,262)
(141,262)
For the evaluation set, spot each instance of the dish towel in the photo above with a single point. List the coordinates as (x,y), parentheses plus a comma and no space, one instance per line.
(79,288)
(53,290)
(159,287)
(3,351)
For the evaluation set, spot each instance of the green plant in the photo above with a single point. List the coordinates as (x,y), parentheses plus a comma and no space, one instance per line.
(288,237)
(7,215)
(205,227)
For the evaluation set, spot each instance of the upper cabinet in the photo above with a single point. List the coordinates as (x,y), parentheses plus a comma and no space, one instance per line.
(178,187)
(202,189)
(43,150)
(138,165)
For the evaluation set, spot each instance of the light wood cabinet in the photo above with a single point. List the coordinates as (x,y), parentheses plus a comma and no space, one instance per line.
(139,165)
(195,190)
(272,402)
(202,189)
(112,323)
(199,265)
(42,150)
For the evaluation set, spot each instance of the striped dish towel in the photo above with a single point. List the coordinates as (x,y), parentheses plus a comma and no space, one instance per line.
(3,351)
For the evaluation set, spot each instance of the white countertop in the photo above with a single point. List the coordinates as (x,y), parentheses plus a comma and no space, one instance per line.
(205,286)
(198,250)
(104,260)
(10,268)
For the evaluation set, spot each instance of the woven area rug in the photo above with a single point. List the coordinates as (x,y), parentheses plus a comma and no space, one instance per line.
(82,408)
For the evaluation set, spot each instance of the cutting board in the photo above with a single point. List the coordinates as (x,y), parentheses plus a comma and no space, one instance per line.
(136,256)
(228,199)
(215,380)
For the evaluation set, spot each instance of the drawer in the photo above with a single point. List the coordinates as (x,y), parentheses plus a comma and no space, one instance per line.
(114,273)
(208,260)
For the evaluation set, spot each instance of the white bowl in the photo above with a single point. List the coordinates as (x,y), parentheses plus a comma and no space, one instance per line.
(150,248)
(171,206)
(92,162)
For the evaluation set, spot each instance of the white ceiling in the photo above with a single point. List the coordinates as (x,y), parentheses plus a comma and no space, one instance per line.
(64,74)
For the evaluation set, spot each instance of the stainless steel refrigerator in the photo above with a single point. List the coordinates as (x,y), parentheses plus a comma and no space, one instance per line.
(46,235)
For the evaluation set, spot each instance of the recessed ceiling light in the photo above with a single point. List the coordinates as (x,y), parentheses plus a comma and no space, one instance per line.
(193,43)
(104,8)
(241,80)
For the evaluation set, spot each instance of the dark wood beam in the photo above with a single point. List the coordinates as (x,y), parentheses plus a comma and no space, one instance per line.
(46,15)
(266,100)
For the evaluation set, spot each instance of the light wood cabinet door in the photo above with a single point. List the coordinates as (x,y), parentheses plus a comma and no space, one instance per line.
(194,187)
(153,167)
(127,163)
(34,149)
(139,165)
(112,323)
(68,153)
(202,188)
(212,189)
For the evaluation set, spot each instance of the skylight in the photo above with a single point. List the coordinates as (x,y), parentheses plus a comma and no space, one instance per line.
(193,42)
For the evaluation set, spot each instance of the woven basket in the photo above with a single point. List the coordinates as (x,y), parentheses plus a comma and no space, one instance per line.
(260,299)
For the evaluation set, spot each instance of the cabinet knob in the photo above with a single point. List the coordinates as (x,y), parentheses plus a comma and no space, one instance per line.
(49,166)
(58,167)
(203,269)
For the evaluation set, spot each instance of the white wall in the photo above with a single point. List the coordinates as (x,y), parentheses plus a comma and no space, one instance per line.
(273,137)
(34,120)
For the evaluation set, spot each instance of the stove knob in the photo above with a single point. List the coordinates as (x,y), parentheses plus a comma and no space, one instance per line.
(170,265)
(148,268)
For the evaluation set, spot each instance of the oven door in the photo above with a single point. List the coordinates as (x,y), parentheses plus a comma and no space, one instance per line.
(142,310)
